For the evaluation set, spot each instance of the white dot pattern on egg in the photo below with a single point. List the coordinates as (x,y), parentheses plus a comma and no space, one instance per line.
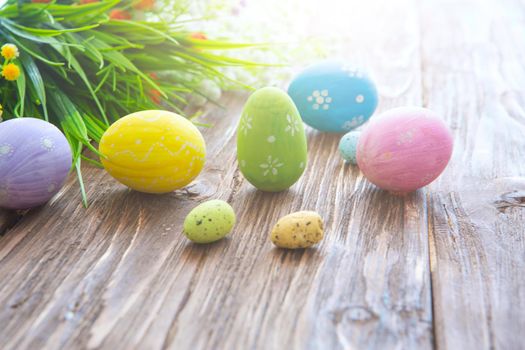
(47,143)
(6,150)
(271,166)
(246,124)
(51,187)
(320,99)
(334,97)
(353,123)
(271,141)
(293,125)
(33,154)
(352,71)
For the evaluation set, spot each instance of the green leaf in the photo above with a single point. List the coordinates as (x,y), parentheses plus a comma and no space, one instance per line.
(21,85)
(80,71)
(27,47)
(12,27)
(92,161)
(81,182)
(33,73)
(54,32)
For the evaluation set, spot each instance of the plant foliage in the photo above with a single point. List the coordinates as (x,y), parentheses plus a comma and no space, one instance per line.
(81,67)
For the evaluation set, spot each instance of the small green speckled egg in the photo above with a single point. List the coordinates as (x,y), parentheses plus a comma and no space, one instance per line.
(209,221)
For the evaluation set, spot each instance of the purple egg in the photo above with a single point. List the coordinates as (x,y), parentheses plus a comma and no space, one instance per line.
(35,159)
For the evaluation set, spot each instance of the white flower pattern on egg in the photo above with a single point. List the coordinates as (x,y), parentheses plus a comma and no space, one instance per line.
(271,166)
(51,187)
(352,71)
(354,122)
(293,125)
(406,137)
(47,143)
(320,98)
(6,150)
(246,124)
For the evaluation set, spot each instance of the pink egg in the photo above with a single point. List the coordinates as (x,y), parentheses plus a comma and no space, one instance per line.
(404,149)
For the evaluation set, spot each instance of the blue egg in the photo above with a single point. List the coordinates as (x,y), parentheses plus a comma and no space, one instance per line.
(348,146)
(334,96)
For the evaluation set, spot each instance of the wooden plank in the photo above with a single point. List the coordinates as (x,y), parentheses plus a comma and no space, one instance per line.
(7,219)
(70,268)
(474,75)
(120,274)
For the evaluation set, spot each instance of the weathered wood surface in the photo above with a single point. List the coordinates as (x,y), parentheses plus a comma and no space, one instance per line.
(442,267)
(7,220)
(474,75)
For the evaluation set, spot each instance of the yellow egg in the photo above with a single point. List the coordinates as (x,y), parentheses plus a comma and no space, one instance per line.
(301,229)
(153,151)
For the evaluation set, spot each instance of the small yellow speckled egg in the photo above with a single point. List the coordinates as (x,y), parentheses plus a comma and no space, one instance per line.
(301,229)
(153,151)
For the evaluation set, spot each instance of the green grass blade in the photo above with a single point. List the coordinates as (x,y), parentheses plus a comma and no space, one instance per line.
(81,182)
(34,76)
(21,86)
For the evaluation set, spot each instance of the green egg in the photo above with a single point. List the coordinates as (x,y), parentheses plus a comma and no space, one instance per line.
(209,221)
(271,143)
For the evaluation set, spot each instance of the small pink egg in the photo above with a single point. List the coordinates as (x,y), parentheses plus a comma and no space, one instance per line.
(404,149)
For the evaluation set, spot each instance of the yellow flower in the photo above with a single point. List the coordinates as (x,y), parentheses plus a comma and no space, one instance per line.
(11,71)
(10,51)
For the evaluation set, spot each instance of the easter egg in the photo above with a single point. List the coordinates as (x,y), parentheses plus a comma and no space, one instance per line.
(35,159)
(271,143)
(404,149)
(348,146)
(153,151)
(210,221)
(333,96)
(301,229)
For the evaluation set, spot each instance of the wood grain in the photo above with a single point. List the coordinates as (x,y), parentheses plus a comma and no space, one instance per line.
(120,274)
(440,268)
(8,219)
(476,79)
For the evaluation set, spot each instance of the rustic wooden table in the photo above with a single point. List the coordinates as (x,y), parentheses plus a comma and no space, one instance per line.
(441,268)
